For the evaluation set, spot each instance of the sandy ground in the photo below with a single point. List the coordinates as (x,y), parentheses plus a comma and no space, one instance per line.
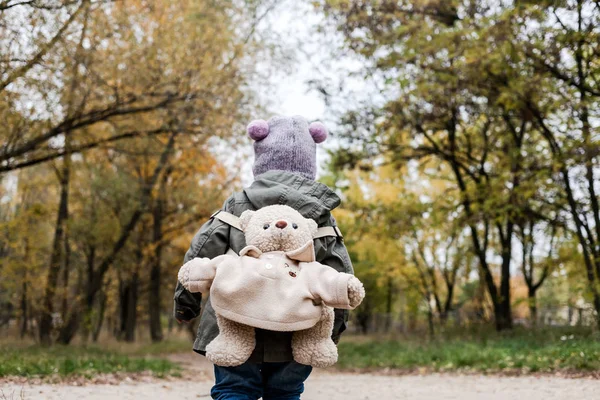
(325,385)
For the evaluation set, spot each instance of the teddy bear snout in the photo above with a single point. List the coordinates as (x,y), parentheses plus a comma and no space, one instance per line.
(281,224)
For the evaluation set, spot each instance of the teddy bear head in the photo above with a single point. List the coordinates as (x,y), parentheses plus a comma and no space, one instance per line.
(277,228)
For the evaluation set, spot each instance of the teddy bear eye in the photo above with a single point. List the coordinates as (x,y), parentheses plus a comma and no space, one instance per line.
(295,226)
(266,226)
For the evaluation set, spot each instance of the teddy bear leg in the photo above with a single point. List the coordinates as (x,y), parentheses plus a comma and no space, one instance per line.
(234,344)
(313,346)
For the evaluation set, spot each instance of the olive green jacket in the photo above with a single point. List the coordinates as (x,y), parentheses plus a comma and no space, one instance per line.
(313,200)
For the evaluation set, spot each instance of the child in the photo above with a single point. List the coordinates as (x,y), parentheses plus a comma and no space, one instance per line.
(284,172)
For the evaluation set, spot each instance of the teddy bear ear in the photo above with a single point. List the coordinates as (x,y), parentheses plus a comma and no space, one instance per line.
(318,132)
(312,225)
(258,129)
(245,219)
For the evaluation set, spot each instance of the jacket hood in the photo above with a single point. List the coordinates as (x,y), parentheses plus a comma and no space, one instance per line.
(312,199)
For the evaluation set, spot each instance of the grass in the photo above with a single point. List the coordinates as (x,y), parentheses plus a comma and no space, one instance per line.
(170,346)
(87,361)
(524,351)
(547,350)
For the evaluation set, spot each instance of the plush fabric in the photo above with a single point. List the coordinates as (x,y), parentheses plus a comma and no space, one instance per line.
(356,292)
(233,346)
(314,346)
(286,144)
(273,238)
(275,284)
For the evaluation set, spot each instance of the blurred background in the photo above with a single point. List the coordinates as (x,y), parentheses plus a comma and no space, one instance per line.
(464,142)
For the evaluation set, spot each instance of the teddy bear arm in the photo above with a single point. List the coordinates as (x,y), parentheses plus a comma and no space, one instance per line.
(197,274)
(328,285)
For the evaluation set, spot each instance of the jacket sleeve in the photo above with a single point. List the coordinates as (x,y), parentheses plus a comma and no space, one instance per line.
(210,241)
(332,252)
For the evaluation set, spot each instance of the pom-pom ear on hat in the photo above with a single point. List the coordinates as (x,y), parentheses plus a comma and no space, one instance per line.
(258,129)
(318,132)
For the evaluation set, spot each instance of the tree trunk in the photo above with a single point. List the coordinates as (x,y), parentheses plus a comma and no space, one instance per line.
(533,312)
(447,303)
(155,272)
(504,314)
(388,306)
(55,257)
(131,322)
(443,318)
(363,322)
(128,298)
(24,313)
(363,316)
(72,324)
(70,328)
(123,298)
(154,295)
(65,277)
(98,327)
(430,326)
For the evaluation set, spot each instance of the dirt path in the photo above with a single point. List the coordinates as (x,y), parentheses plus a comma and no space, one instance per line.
(324,385)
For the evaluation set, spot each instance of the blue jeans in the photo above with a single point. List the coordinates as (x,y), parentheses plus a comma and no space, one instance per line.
(251,381)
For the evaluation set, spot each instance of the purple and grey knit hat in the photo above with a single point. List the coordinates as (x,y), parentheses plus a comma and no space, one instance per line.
(287,144)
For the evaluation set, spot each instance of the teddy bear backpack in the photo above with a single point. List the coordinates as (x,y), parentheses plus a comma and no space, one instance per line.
(276,284)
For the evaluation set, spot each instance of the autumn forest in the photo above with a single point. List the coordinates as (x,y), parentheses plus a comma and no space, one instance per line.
(469,184)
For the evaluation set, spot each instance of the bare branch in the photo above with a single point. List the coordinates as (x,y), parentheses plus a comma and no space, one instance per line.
(19,72)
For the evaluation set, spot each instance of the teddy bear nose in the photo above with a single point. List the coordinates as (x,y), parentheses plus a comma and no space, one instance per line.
(281,224)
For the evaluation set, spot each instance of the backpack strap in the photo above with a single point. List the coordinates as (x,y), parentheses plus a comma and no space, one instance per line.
(328,231)
(234,222)
(228,218)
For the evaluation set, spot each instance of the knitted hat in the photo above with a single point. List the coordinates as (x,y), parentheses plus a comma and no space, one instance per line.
(287,144)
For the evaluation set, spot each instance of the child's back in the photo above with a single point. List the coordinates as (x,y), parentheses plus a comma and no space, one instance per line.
(284,172)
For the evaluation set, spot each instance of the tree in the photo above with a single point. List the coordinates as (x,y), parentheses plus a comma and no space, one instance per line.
(486,119)
(404,242)
(529,264)
(26,219)
(563,54)
(438,255)
(120,85)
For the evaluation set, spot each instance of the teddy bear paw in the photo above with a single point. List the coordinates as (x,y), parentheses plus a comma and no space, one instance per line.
(184,275)
(356,292)
(226,354)
(322,354)
(191,273)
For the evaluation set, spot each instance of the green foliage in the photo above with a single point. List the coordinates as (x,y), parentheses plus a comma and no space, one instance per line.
(498,101)
(521,351)
(130,96)
(73,360)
